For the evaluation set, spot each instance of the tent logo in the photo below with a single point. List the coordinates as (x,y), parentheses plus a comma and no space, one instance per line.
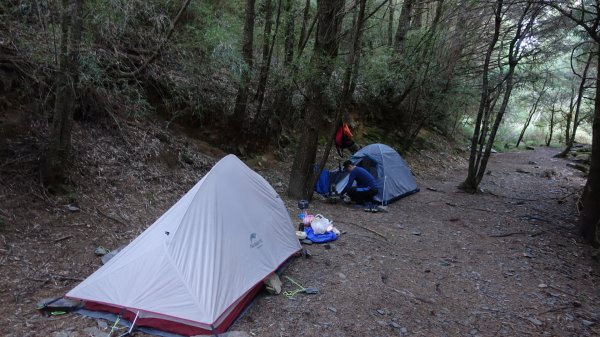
(254,242)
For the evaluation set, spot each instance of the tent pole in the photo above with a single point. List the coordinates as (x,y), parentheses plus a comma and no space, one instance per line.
(383,195)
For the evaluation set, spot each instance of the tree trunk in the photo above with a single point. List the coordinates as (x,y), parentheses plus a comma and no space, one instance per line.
(241,100)
(325,52)
(288,39)
(570,141)
(470,184)
(551,123)
(532,112)
(304,26)
(569,115)
(353,59)
(513,59)
(475,172)
(268,46)
(54,171)
(590,221)
(417,20)
(352,63)
(390,28)
(456,47)
(283,100)
(403,25)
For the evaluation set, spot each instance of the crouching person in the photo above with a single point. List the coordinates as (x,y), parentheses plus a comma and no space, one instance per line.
(366,186)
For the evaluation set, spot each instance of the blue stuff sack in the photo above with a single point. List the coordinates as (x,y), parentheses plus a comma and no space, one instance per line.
(319,238)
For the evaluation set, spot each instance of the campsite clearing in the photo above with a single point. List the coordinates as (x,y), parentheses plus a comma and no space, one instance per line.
(505,262)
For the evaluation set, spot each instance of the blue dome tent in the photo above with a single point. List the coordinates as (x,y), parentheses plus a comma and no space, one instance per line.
(393,175)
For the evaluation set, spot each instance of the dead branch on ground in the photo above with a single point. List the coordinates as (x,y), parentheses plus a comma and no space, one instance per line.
(110,217)
(365,228)
(517,233)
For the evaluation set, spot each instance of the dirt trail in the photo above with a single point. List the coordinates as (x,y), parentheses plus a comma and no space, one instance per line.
(505,262)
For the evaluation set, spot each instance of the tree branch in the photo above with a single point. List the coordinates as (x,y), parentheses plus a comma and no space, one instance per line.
(161,46)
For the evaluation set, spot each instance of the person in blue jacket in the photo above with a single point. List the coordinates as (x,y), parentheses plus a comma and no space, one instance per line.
(366,185)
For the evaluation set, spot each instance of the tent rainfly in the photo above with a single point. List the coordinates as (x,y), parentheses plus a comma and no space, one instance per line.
(393,175)
(195,269)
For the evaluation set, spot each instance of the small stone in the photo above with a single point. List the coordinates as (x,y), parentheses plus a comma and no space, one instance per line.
(395,325)
(587,323)
(404,331)
(102,324)
(332,309)
(101,251)
(341,275)
(417,233)
(542,285)
(473,332)
(382,323)
(381,312)
(535,321)
(311,290)
(73,208)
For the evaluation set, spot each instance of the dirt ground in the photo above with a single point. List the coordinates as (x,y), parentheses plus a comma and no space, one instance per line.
(504,262)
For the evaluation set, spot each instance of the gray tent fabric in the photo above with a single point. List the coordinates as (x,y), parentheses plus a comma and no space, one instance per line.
(393,175)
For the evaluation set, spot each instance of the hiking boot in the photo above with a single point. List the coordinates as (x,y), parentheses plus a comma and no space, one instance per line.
(371,208)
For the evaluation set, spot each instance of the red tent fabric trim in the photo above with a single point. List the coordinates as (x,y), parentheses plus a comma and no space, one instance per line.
(173,326)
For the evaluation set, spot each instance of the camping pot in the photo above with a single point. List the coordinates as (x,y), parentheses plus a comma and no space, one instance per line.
(303,204)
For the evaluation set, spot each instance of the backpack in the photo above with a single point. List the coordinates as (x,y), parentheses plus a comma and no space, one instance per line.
(343,136)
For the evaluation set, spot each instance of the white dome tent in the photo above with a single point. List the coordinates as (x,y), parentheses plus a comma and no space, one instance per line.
(194,270)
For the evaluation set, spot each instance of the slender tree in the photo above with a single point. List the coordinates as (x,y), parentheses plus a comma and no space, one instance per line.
(67,81)
(478,159)
(241,100)
(348,86)
(288,35)
(570,140)
(552,121)
(268,46)
(403,24)
(533,110)
(330,16)
(390,28)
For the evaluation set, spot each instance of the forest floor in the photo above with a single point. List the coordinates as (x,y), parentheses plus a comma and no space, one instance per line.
(504,262)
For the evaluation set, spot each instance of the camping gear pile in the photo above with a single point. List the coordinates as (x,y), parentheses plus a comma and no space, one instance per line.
(314,228)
